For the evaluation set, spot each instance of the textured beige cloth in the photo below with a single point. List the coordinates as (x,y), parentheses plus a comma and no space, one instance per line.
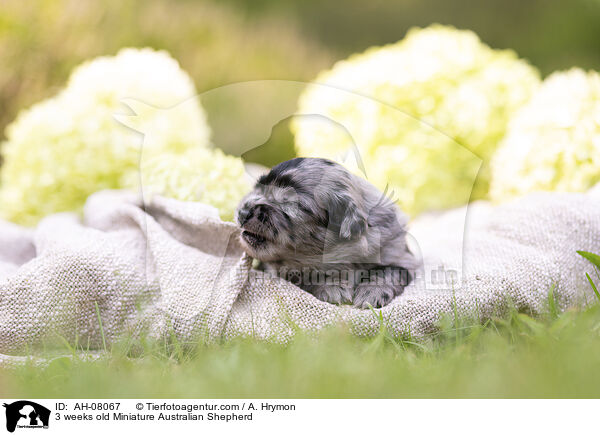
(174,267)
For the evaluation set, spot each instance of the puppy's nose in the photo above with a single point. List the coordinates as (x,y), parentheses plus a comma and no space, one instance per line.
(258,212)
(244,215)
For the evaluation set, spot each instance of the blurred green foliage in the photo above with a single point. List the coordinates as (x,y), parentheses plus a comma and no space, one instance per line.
(551,34)
(41,41)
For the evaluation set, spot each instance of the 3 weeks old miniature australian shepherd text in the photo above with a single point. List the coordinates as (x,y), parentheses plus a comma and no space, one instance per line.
(330,232)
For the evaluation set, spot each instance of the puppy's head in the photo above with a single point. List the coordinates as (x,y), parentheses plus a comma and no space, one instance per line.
(298,207)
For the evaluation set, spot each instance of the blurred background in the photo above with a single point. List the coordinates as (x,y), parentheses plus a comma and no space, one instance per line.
(218,43)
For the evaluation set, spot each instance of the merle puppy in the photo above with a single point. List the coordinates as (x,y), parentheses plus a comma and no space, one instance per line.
(330,232)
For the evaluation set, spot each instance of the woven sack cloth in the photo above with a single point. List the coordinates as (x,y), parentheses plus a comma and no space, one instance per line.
(166,268)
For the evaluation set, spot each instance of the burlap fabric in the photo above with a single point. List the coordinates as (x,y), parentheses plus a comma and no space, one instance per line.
(171,267)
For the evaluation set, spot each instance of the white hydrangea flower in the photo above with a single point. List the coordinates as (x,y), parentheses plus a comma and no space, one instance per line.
(553,142)
(199,174)
(67,147)
(436,77)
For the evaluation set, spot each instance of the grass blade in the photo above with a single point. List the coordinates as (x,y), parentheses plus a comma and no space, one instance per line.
(592,258)
(593,285)
(552,302)
(101,328)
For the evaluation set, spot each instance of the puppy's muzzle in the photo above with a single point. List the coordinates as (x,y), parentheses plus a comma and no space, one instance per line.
(258,212)
(254,221)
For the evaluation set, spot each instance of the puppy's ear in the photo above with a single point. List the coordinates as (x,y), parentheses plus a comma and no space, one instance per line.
(344,205)
(354,223)
(345,216)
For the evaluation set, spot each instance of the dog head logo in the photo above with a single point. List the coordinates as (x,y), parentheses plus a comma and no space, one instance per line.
(350,134)
(26,414)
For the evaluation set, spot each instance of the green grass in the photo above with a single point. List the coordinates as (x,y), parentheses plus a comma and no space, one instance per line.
(556,356)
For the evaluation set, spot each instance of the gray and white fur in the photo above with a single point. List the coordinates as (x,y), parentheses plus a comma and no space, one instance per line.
(332,233)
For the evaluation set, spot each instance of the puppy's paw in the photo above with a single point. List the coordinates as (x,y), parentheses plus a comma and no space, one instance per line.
(334,294)
(374,295)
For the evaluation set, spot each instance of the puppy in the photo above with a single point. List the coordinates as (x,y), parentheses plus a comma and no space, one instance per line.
(312,222)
